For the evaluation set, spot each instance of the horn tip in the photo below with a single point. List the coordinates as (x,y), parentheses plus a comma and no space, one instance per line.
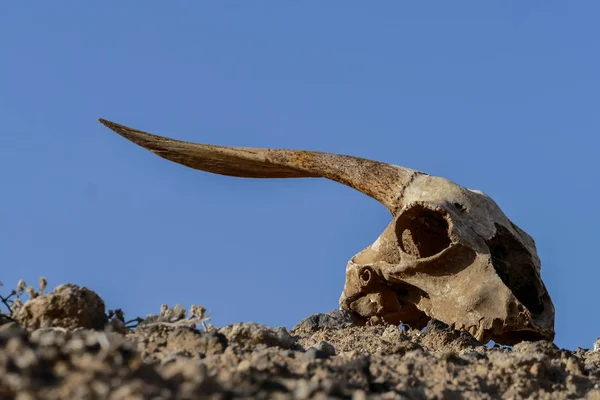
(107,123)
(118,128)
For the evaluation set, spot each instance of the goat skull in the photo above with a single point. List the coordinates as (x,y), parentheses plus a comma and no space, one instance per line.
(450,253)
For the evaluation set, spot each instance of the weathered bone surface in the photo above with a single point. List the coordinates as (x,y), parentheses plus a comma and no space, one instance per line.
(449,253)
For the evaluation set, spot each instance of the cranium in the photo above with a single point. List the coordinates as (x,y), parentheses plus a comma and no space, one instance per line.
(449,253)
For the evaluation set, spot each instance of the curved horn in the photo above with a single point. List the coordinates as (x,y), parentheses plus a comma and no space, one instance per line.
(381,181)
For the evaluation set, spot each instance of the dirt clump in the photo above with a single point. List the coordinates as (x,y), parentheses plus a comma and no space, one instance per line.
(250,335)
(69,306)
(324,356)
(161,343)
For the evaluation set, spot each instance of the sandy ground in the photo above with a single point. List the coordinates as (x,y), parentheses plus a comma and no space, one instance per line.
(62,345)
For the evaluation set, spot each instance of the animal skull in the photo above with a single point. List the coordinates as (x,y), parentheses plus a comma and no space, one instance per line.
(450,253)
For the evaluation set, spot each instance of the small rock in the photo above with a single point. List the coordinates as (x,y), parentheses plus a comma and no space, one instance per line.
(68,306)
(326,348)
(336,319)
(313,354)
(195,342)
(597,345)
(250,335)
(473,355)
(438,335)
(538,347)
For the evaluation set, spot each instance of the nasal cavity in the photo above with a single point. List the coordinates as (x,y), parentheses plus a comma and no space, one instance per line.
(422,232)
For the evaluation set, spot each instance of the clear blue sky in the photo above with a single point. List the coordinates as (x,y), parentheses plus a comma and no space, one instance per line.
(497,96)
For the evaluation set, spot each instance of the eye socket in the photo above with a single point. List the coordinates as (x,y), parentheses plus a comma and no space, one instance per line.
(365,275)
(513,264)
(422,232)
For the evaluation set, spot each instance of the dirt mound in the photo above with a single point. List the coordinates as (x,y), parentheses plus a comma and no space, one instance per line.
(324,356)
